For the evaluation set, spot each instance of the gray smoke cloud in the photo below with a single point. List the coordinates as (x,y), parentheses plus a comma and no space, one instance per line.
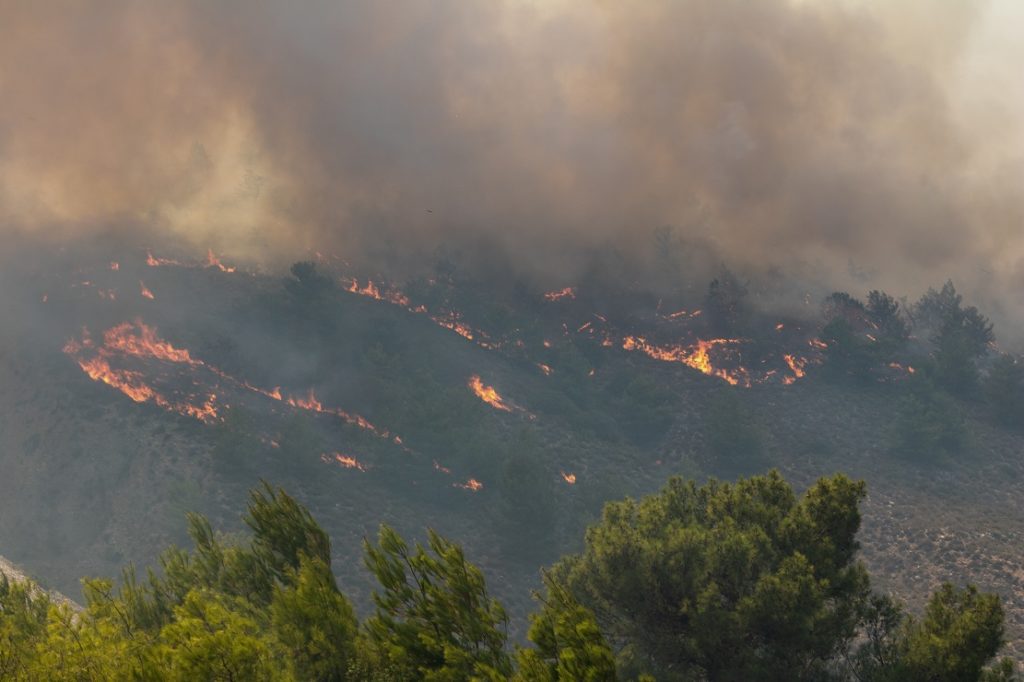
(828,136)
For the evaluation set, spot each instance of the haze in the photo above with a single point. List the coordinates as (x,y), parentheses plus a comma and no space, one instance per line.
(877,143)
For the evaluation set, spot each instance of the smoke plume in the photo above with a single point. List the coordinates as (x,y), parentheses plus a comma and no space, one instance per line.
(875,140)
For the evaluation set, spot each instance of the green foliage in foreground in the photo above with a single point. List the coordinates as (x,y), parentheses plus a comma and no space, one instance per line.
(719,582)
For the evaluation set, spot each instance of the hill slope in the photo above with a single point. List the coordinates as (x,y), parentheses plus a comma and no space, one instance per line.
(501,418)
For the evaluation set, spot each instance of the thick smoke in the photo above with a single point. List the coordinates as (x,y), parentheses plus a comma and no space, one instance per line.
(868,139)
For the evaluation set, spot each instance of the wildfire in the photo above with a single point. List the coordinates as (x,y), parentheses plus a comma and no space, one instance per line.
(207,412)
(568,478)
(567,292)
(373,291)
(796,365)
(128,382)
(131,384)
(154,262)
(897,366)
(681,313)
(696,356)
(136,339)
(213,262)
(451,322)
(471,484)
(817,344)
(114,265)
(346,461)
(546,369)
(312,404)
(488,394)
(144,344)
(144,290)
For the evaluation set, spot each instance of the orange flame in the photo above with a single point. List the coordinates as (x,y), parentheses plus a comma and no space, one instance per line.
(455,325)
(213,262)
(681,313)
(568,478)
(139,340)
(132,385)
(695,356)
(567,292)
(796,365)
(207,412)
(144,344)
(373,291)
(898,366)
(311,403)
(346,461)
(471,484)
(153,262)
(488,394)
(114,265)
(144,290)
(545,369)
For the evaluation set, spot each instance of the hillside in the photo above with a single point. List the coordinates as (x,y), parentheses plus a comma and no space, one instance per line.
(503,418)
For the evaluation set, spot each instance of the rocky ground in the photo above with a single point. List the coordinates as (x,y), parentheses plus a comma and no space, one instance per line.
(956,519)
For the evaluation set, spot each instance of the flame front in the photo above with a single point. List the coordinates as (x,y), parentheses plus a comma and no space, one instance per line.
(145,344)
(144,290)
(695,356)
(897,366)
(346,461)
(567,292)
(796,365)
(568,478)
(138,340)
(488,394)
(154,262)
(132,383)
(213,262)
(373,291)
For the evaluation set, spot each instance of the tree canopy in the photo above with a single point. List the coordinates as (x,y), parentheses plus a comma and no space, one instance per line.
(715,582)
